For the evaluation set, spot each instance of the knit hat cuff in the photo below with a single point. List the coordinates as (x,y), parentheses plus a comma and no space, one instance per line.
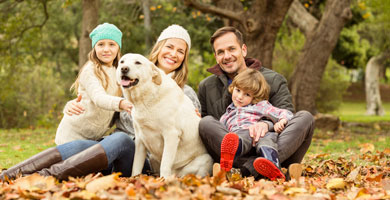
(175,31)
(106,31)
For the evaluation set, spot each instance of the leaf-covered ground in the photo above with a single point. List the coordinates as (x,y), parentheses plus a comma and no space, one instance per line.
(339,165)
(329,179)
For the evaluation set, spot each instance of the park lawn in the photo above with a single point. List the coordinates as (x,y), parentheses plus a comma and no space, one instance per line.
(19,144)
(355,112)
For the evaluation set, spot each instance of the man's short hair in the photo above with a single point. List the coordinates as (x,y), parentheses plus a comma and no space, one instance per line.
(222,31)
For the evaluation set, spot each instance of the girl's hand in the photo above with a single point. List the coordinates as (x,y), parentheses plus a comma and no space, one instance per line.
(198,113)
(125,105)
(279,126)
(74,107)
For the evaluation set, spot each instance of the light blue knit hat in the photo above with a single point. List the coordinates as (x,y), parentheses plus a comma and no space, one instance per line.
(106,31)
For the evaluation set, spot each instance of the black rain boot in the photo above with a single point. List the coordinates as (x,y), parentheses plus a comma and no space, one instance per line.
(269,166)
(93,159)
(33,164)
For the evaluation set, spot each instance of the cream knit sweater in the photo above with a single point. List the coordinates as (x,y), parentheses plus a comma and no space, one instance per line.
(99,107)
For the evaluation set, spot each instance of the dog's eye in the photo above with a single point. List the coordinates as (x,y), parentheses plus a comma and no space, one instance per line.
(137,62)
(122,61)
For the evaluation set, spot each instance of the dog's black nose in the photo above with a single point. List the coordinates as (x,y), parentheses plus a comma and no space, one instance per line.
(125,69)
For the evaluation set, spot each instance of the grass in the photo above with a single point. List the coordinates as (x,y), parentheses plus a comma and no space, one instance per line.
(19,144)
(355,112)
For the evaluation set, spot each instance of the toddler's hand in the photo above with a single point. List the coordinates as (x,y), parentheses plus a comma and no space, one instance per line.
(279,126)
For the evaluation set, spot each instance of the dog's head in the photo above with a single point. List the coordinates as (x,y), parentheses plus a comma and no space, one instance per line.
(135,69)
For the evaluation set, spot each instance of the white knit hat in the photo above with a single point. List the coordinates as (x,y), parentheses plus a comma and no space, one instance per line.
(175,31)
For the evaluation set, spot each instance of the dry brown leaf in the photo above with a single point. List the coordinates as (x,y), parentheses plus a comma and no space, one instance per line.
(354,176)
(295,190)
(374,177)
(103,183)
(228,191)
(336,183)
(366,147)
(34,182)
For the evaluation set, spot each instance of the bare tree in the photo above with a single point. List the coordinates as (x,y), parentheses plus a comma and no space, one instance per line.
(147,22)
(373,96)
(321,38)
(90,21)
(260,23)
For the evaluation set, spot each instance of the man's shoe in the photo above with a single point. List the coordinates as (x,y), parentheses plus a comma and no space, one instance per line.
(229,148)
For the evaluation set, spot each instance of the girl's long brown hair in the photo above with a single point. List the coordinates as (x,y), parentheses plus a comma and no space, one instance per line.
(99,72)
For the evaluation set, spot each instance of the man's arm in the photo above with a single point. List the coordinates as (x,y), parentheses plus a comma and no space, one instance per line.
(280,95)
(202,99)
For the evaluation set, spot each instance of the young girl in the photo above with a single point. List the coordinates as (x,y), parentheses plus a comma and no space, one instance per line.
(97,85)
(116,151)
(250,104)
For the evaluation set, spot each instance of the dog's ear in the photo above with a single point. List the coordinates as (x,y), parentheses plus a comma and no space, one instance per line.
(156,78)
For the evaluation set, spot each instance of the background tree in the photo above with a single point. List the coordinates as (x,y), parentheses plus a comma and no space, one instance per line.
(89,22)
(258,20)
(321,38)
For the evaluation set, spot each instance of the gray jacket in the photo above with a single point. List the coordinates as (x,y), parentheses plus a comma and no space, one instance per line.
(214,96)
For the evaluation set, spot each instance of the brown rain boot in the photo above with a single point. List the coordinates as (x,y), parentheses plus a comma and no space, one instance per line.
(91,160)
(33,164)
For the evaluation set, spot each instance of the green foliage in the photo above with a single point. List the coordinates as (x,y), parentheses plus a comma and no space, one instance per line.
(351,50)
(334,82)
(39,52)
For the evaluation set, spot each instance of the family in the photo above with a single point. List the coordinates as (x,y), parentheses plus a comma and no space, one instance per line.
(248,120)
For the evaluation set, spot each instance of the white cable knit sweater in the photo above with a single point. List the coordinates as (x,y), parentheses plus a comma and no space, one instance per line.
(99,108)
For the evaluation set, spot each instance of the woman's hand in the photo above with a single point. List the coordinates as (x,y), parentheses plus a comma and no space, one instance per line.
(197,112)
(279,126)
(74,107)
(125,105)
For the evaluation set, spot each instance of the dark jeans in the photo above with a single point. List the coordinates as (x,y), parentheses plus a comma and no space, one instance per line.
(292,143)
(119,149)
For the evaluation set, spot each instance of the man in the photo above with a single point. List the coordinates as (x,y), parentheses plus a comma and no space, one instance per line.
(230,52)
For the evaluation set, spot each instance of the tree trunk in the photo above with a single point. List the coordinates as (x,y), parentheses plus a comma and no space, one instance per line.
(147,23)
(373,96)
(317,49)
(90,21)
(259,24)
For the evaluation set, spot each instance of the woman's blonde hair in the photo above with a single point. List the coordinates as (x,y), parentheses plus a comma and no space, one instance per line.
(181,73)
(99,72)
(251,81)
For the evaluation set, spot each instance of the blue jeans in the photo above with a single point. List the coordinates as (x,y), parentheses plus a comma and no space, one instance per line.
(119,148)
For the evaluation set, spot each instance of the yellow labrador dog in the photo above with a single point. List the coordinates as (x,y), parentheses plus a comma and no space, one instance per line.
(165,121)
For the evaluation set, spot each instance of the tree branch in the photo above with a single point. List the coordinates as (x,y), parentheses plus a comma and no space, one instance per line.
(301,18)
(207,8)
(36,25)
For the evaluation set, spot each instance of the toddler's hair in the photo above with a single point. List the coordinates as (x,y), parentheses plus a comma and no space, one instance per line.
(251,81)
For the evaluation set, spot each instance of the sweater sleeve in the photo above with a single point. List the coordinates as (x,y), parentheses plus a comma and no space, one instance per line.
(192,95)
(95,90)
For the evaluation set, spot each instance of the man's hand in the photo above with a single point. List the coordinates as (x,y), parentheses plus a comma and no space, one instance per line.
(279,126)
(257,131)
(74,107)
